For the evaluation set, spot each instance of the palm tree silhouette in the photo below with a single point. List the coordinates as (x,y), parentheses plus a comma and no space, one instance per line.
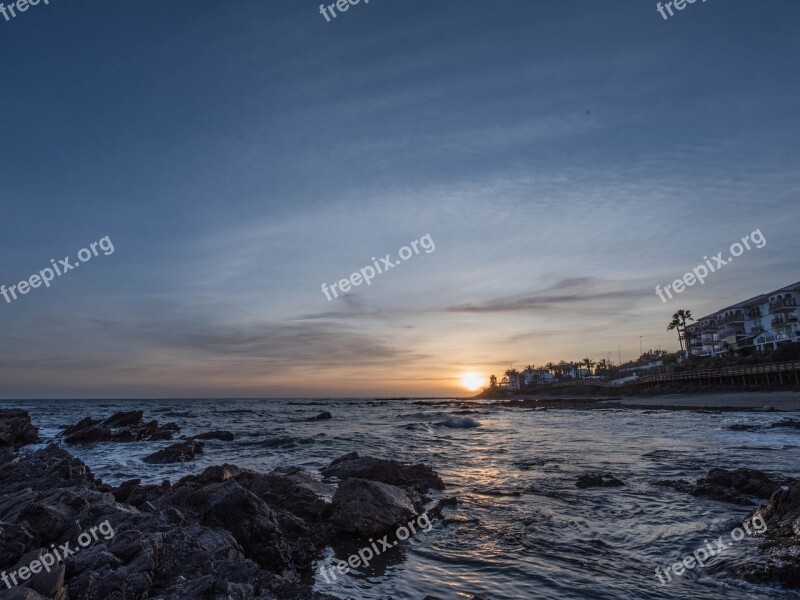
(679,322)
(589,364)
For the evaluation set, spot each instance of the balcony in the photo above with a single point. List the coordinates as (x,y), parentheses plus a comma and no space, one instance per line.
(780,307)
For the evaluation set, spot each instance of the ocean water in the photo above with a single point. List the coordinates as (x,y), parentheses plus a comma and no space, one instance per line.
(523,529)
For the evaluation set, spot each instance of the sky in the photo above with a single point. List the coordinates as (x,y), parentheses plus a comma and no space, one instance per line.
(563,156)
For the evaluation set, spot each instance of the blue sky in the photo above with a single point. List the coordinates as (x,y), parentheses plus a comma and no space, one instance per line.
(565,157)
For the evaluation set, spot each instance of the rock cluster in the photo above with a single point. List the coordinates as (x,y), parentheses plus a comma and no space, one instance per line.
(227,532)
(738,486)
(121,427)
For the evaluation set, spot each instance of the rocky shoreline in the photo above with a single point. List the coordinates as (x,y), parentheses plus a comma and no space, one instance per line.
(226,533)
(234,533)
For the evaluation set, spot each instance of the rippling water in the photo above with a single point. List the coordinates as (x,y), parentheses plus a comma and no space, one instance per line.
(523,529)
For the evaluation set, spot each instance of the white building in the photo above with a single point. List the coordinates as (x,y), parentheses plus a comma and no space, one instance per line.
(762,322)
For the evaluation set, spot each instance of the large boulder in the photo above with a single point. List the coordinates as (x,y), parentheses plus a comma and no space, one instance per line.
(417,476)
(365,508)
(16,429)
(291,489)
(780,560)
(176,453)
(738,486)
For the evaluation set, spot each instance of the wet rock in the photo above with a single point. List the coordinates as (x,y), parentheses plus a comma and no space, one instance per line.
(780,559)
(365,508)
(224,436)
(323,416)
(191,540)
(126,426)
(418,477)
(16,429)
(737,486)
(225,533)
(123,419)
(177,453)
(291,489)
(679,485)
(589,480)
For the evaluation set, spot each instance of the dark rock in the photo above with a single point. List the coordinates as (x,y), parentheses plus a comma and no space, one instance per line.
(177,453)
(291,489)
(225,436)
(123,419)
(16,429)
(737,486)
(598,480)
(225,533)
(780,560)
(120,427)
(418,477)
(680,485)
(365,508)
(323,416)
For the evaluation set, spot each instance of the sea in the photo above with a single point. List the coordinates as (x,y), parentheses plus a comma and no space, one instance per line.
(522,528)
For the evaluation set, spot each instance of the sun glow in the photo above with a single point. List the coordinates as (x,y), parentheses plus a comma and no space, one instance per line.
(472,381)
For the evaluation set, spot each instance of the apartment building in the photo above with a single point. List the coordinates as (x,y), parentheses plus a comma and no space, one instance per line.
(762,322)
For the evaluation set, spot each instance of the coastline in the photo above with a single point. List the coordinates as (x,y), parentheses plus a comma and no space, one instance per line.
(709,401)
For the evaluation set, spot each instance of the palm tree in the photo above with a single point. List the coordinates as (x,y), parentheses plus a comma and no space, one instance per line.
(602,366)
(512,376)
(589,364)
(550,368)
(493,381)
(679,322)
(562,368)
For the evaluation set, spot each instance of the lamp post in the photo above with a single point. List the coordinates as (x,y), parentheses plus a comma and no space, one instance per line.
(619,353)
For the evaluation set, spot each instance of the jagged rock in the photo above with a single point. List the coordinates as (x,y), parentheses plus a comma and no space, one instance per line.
(225,533)
(737,486)
(177,453)
(780,561)
(367,508)
(120,427)
(588,480)
(418,477)
(292,489)
(16,429)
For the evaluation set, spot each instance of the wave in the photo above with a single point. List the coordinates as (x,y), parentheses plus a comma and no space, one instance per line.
(459,423)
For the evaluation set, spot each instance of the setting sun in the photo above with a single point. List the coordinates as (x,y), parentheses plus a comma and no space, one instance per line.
(472,381)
